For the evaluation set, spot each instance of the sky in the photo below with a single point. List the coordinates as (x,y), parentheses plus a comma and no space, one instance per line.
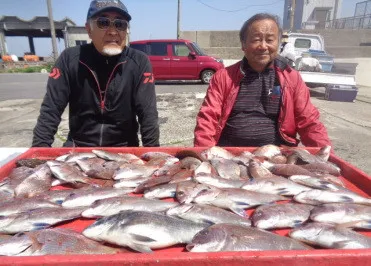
(151,19)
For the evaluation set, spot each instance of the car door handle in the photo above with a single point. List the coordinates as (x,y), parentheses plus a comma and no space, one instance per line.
(166,59)
(176,59)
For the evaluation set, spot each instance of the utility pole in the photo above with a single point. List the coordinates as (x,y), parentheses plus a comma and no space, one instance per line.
(178,22)
(52,30)
(292,14)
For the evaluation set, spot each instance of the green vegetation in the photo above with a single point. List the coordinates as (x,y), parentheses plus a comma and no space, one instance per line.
(28,69)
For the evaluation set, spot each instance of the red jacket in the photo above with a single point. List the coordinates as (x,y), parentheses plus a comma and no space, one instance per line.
(297,113)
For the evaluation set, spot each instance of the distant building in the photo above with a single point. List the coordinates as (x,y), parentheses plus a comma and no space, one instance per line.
(311,14)
(75,35)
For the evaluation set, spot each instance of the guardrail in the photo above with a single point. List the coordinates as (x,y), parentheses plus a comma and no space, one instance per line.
(357,22)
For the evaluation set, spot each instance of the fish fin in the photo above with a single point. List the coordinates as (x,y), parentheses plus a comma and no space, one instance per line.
(297,222)
(239,211)
(347,244)
(353,224)
(141,238)
(38,226)
(346,199)
(207,221)
(59,202)
(282,192)
(140,248)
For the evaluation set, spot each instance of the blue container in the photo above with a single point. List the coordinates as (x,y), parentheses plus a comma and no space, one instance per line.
(326,61)
(341,93)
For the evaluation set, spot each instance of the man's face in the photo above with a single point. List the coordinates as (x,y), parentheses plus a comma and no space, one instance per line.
(110,40)
(261,44)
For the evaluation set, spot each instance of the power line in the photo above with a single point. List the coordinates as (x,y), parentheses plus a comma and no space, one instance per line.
(237,10)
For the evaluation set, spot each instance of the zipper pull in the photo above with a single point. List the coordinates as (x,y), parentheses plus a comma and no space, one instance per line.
(102,105)
(107,61)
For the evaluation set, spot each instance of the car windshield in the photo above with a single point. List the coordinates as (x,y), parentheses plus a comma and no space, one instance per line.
(198,49)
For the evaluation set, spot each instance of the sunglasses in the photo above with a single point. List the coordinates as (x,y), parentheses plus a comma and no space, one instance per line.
(104,23)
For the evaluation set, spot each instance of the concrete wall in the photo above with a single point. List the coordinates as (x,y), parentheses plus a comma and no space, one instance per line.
(339,43)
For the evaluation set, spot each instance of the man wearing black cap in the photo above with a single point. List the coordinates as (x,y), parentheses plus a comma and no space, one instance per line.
(108,86)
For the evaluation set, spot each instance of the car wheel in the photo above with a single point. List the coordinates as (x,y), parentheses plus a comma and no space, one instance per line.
(206,76)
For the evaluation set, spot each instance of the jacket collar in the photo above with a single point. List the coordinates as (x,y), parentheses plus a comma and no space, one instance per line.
(90,56)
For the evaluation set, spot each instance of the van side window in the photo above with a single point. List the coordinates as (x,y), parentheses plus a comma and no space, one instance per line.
(302,43)
(158,48)
(139,46)
(180,49)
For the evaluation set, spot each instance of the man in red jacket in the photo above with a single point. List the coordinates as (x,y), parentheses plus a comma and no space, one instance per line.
(259,100)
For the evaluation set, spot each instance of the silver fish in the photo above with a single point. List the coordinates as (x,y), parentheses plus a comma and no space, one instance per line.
(37,219)
(53,242)
(111,206)
(161,191)
(218,181)
(276,185)
(128,171)
(235,199)
(330,236)
(24,204)
(88,196)
(73,157)
(67,172)
(323,168)
(188,190)
(131,183)
(341,213)
(143,231)
(232,237)
(301,156)
(98,168)
(317,197)
(190,163)
(58,196)
(204,168)
(156,155)
(280,215)
(206,214)
(314,182)
(16,176)
(258,170)
(110,156)
(227,169)
(36,183)
(267,151)
(216,152)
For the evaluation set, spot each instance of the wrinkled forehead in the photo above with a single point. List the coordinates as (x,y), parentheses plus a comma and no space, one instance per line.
(263,27)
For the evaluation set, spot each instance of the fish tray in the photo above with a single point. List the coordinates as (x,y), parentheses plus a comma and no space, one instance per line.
(354,179)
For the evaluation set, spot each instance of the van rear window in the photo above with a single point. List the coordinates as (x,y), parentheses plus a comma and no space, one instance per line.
(302,43)
(139,46)
(158,48)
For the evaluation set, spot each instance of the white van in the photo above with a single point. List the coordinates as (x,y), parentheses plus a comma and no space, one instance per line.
(303,42)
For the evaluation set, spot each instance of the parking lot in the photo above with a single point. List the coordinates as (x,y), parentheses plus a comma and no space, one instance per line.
(348,123)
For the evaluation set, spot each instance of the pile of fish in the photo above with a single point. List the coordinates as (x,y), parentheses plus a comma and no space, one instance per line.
(207,201)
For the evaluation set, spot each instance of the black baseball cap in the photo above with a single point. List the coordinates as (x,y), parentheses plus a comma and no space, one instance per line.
(98,6)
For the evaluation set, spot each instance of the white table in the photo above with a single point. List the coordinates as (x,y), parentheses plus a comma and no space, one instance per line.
(8,154)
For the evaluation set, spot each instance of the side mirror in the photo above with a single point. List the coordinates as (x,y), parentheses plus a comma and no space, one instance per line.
(192,54)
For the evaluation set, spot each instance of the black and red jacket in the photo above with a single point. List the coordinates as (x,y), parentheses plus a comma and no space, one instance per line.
(96,119)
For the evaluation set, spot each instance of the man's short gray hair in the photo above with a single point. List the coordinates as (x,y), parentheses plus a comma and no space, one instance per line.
(260,16)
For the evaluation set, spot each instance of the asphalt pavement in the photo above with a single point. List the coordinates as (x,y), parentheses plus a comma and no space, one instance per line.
(348,123)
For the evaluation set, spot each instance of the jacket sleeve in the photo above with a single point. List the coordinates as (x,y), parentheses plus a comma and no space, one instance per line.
(312,132)
(53,105)
(146,106)
(209,116)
